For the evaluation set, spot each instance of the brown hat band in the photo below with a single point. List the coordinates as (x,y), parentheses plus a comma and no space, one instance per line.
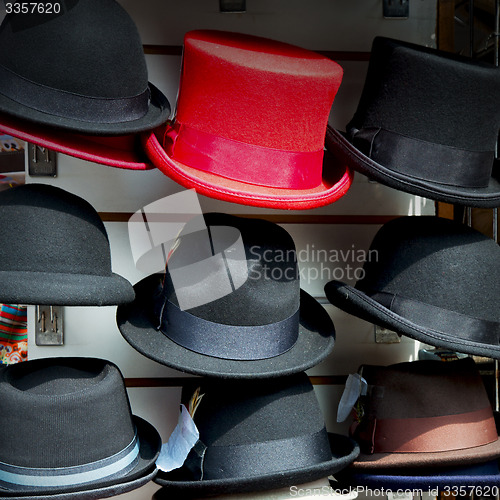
(428,434)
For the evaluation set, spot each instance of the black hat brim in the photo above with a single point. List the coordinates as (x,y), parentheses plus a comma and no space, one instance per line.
(357,303)
(315,341)
(65,289)
(339,145)
(344,452)
(158,113)
(144,472)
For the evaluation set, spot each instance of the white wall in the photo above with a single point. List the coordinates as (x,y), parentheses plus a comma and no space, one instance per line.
(333,25)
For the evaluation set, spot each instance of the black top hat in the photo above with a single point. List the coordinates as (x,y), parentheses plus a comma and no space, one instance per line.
(427,123)
(257,437)
(81,69)
(433,279)
(78,438)
(55,250)
(229,305)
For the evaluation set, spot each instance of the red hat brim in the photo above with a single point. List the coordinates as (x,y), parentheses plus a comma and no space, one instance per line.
(122,151)
(336,181)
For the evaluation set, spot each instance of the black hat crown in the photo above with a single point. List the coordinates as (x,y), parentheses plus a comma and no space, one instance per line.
(430,95)
(78,432)
(60,255)
(427,123)
(433,279)
(248,294)
(438,262)
(258,436)
(82,68)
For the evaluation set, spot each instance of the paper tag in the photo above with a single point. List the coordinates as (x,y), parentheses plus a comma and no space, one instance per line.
(355,387)
(174,452)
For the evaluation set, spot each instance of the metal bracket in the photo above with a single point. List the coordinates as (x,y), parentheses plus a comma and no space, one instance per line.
(396,9)
(232,6)
(41,161)
(49,325)
(385,336)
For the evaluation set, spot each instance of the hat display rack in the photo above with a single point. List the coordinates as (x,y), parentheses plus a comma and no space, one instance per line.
(395,469)
(441,478)
(228,312)
(469,211)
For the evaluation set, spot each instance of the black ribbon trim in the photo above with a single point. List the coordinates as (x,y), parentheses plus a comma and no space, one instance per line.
(254,459)
(434,318)
(425,160)
(64,104)
(229,341)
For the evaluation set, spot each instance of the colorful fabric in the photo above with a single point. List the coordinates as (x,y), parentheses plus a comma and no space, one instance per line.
(13,334)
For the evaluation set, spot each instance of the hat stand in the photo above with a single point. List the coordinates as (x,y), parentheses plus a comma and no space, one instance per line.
(467,212)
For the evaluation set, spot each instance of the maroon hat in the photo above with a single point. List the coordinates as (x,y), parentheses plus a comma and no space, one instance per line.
(121,151)
(425,413)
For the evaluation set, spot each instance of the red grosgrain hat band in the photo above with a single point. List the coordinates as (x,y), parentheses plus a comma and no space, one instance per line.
(236,138)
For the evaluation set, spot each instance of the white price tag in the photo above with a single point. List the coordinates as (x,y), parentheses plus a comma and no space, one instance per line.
(174,452)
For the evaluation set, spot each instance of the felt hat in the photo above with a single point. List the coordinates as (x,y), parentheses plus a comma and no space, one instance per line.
(61,254)
(121,151)
(238,139)
(441,478)
(432,279)
(82,69)
(427,123)
(229,304)
(424,414)
(79,438)
(257,436)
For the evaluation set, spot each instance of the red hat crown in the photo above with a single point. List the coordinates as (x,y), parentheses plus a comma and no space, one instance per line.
(253,109)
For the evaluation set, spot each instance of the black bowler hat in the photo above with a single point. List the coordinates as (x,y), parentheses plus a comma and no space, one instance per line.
(82,69)
(256,436)
(432,279)
(78,438)
(427,123)
(229,304)
(55,250)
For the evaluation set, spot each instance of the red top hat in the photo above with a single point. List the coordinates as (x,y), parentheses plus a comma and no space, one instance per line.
(250,123)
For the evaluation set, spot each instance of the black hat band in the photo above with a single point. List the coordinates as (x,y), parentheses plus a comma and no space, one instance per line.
(433,318)
(433,162)
(253,459)
(228,341)
(58,102)
(13,477)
